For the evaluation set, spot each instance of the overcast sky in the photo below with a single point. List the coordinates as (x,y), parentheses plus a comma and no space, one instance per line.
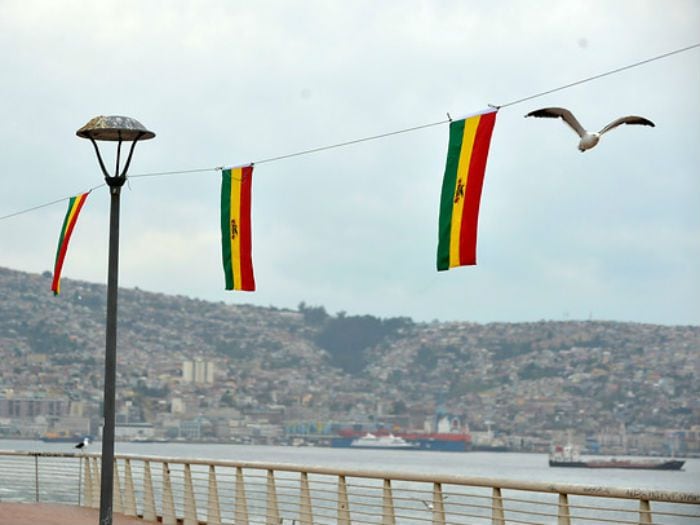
(613,233)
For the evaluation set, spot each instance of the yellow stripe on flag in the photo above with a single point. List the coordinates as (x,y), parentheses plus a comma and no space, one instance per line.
(73,210)
(236,178)
(465,157)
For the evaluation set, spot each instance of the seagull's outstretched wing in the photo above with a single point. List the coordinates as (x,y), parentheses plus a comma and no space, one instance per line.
(631,119)
(562,113)
(430,505)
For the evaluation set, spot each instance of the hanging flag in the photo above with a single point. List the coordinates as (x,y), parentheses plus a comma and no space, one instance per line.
(75,204)
(236,242)
(461,189)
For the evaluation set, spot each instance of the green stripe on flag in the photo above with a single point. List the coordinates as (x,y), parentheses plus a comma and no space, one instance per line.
(226,227)
(448,192)
(64,228)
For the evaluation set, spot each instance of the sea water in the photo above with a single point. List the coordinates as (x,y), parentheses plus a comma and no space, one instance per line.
(503,465)
(495,465)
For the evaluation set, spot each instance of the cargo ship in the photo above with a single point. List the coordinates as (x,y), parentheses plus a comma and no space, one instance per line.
(390,442)
(437,441)
(568,456)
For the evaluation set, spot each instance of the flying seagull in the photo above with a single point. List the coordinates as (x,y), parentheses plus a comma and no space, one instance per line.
(84,443)
(429,505)
(588,138)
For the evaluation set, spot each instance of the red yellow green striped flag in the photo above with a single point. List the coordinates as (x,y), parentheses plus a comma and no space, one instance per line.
(75,204)
(461,189)
(236,241)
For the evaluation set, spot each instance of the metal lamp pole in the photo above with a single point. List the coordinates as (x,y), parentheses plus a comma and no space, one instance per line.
(115,129)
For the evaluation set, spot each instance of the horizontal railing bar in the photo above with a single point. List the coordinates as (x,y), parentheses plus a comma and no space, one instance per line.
(510,520)
(597,519)
(319,500)
(467,514)
(324,507)
(508,505)
(362,512)
(411,498)
(600,509)
(363,487)
(454,501)
(530,512)
(323,487)
(475,506)
(675,514)
(354,521)
(409,517)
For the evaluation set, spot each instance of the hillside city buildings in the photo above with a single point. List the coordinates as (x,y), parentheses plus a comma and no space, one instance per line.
(198,371)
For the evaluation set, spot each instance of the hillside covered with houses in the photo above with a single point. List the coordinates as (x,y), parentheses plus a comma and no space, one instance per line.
(196,370)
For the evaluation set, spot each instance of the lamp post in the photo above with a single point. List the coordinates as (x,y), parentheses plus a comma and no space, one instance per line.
(114,129)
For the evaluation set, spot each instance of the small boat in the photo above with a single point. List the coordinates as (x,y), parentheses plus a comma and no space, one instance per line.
(144,439)
(383,442)
(568,456)
(63,437)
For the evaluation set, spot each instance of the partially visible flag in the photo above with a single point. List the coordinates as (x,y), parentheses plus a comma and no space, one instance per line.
(75,204)
(461,189)
(236,242)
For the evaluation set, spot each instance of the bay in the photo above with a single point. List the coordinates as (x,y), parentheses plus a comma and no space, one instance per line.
(502,465)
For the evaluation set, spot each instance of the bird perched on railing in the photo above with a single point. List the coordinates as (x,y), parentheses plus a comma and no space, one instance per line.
(84,443)
(588,138)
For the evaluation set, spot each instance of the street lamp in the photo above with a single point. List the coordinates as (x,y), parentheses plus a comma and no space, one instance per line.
(114,129)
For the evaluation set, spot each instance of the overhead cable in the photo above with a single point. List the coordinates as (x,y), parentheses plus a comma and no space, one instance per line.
(381,135)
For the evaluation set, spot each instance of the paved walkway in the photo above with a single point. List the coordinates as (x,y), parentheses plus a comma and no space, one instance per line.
(53,514)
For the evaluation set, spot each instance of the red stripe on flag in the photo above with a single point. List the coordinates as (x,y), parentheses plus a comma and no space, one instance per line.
(247,278)
(475,183)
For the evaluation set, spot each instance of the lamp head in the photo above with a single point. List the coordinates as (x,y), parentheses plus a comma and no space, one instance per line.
(114,128)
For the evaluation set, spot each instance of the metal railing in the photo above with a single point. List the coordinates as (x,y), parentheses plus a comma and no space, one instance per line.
(196,492)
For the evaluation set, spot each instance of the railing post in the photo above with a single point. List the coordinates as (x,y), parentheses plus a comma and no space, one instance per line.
(343,503)
(116,489)
(95,484)
(273,512)
(213,507)
(189,503)
(88,482)
(36,478)
(305,512)
(438,505)
(563,516)
(129,494)
(644,512)
(241,504)
(168,501)
(149,502)
(388,516)
(80,480)
(497,514)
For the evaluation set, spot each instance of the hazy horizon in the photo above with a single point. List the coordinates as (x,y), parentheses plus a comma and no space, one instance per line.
(295,307)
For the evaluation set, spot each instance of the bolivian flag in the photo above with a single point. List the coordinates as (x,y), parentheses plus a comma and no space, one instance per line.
(236,243)
(75,204)
(461,189)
